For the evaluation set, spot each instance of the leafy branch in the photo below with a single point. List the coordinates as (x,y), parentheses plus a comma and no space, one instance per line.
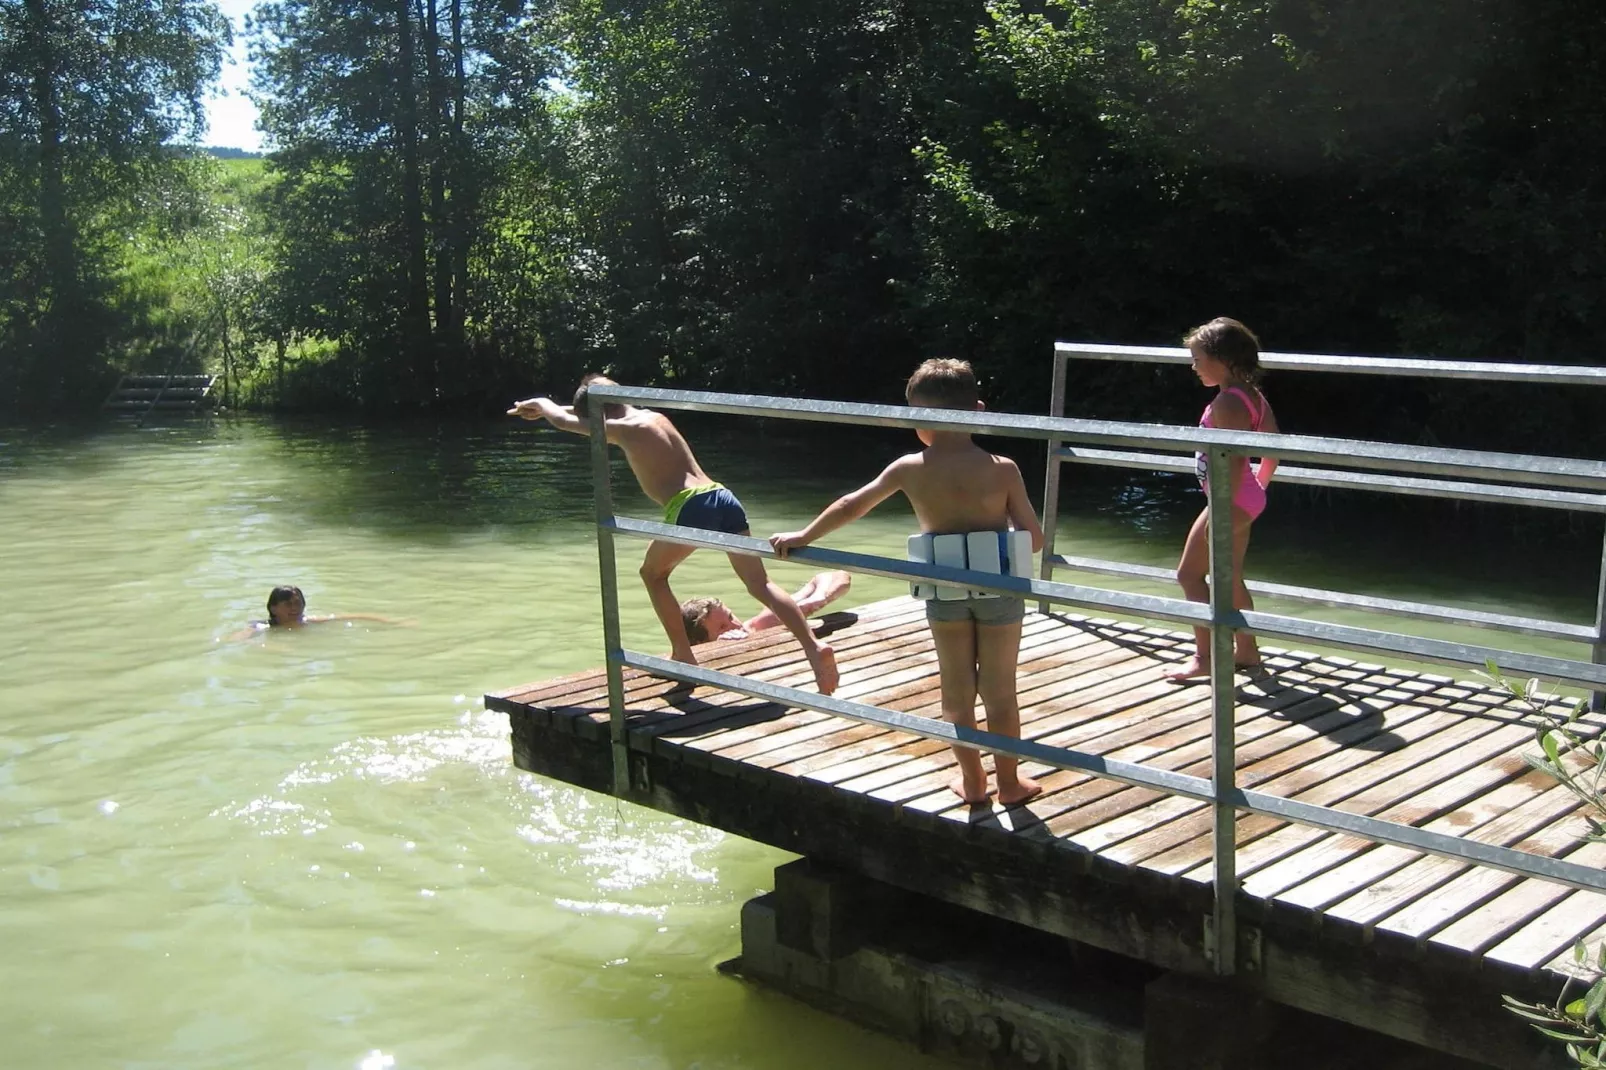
(1575,756)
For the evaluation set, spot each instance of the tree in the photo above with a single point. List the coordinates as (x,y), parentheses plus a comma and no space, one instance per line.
(91,93)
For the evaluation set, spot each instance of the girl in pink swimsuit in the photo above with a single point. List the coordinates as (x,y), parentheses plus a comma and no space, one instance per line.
(1226,355)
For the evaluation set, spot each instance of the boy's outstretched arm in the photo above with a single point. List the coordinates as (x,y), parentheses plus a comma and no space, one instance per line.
(1021,513)
(560,416)
(847,508)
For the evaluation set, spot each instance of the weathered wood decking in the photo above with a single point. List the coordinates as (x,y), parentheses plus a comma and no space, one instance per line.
(1414,946)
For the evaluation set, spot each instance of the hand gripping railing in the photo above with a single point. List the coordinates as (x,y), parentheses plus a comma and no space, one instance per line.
(1546,496)
(1220,791)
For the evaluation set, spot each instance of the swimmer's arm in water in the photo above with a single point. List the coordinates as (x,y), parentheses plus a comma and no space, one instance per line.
(377,618)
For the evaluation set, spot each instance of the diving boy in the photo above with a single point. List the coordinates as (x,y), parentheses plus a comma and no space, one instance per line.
(956,486)
(670,475)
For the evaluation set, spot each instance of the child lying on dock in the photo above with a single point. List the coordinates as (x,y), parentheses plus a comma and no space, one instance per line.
(708,619)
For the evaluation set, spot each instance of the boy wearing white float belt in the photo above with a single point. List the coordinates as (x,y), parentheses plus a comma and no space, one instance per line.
(956,486)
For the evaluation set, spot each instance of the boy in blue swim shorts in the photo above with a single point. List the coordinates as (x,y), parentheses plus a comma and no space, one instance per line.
(956,486)
(670,475)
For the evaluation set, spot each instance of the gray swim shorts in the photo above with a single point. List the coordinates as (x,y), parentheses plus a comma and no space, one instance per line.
(1000,610)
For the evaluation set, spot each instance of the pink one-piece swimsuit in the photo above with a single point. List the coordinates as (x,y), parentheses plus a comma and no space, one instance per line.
(1250,496)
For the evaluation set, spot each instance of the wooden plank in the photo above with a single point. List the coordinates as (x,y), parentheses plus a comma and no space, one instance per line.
(863,676)
(1313,758)
(1129,712)
(1471,890)
(894,761)
(1575,914)
(1156,724)
(590,686)
(1264,840)
(1045,664)
(1356,864)
(1316,724)
(1524,901)
(1424,789)
(918,670)
(1423,874)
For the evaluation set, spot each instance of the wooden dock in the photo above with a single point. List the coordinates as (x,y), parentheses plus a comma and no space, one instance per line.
(1415,947)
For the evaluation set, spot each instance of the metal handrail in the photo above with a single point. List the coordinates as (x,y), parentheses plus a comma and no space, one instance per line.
(1544,496)
(1220,791)
(1412,367)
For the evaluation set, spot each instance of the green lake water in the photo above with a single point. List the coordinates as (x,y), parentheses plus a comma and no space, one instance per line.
(310,848)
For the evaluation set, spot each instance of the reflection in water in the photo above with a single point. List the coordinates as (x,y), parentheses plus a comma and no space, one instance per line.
(310,848)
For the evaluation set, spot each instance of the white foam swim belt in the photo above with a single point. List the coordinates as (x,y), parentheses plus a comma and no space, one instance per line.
(1007,553)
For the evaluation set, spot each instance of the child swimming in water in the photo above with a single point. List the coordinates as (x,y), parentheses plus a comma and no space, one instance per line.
(1226,355)
(287,608)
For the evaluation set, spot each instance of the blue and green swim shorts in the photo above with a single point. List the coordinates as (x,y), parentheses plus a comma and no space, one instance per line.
(709,507)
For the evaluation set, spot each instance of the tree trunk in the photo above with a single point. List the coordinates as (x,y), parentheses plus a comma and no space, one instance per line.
(228,358)
(464,197)
(61,312)
(416,322)
(440,168)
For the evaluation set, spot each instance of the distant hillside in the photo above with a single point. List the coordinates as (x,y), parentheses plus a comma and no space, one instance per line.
(227,153)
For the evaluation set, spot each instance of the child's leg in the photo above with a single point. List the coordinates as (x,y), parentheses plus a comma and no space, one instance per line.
(956,663)
(660,561)
(997,657)
(750,570)
(1245,651)
(1191,573)
(1192,576)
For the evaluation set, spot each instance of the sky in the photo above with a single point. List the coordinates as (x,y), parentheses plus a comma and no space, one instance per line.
(230,115)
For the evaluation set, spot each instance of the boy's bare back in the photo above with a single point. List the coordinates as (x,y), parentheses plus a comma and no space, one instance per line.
(658,454)
(956,486)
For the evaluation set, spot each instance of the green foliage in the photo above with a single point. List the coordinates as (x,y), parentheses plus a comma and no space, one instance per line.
(1575,755)
(466,196)
(91,92)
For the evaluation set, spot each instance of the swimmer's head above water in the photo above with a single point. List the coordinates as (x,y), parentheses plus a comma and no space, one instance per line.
(286,607)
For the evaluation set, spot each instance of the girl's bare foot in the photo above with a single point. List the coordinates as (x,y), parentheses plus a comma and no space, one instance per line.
(1023,789)
(823,659)
(974,795)
(1197,668)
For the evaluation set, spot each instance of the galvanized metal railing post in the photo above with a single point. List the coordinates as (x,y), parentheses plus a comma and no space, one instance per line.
(1597,649)
(1223,700)
(1051,475)
(613,645)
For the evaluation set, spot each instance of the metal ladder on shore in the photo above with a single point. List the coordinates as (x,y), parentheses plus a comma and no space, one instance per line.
(142,395)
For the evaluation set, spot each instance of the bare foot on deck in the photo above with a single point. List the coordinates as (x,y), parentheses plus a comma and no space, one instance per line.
(823,658)
(1023,789)
(974,796)
(1196,669)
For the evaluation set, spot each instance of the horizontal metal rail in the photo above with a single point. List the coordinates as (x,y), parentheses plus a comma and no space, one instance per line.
(1574,501)
(1414,367)
(1579,633)
(1447,471)
(1346,453)
(1418,648)
(1380,830)
(1176,610)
